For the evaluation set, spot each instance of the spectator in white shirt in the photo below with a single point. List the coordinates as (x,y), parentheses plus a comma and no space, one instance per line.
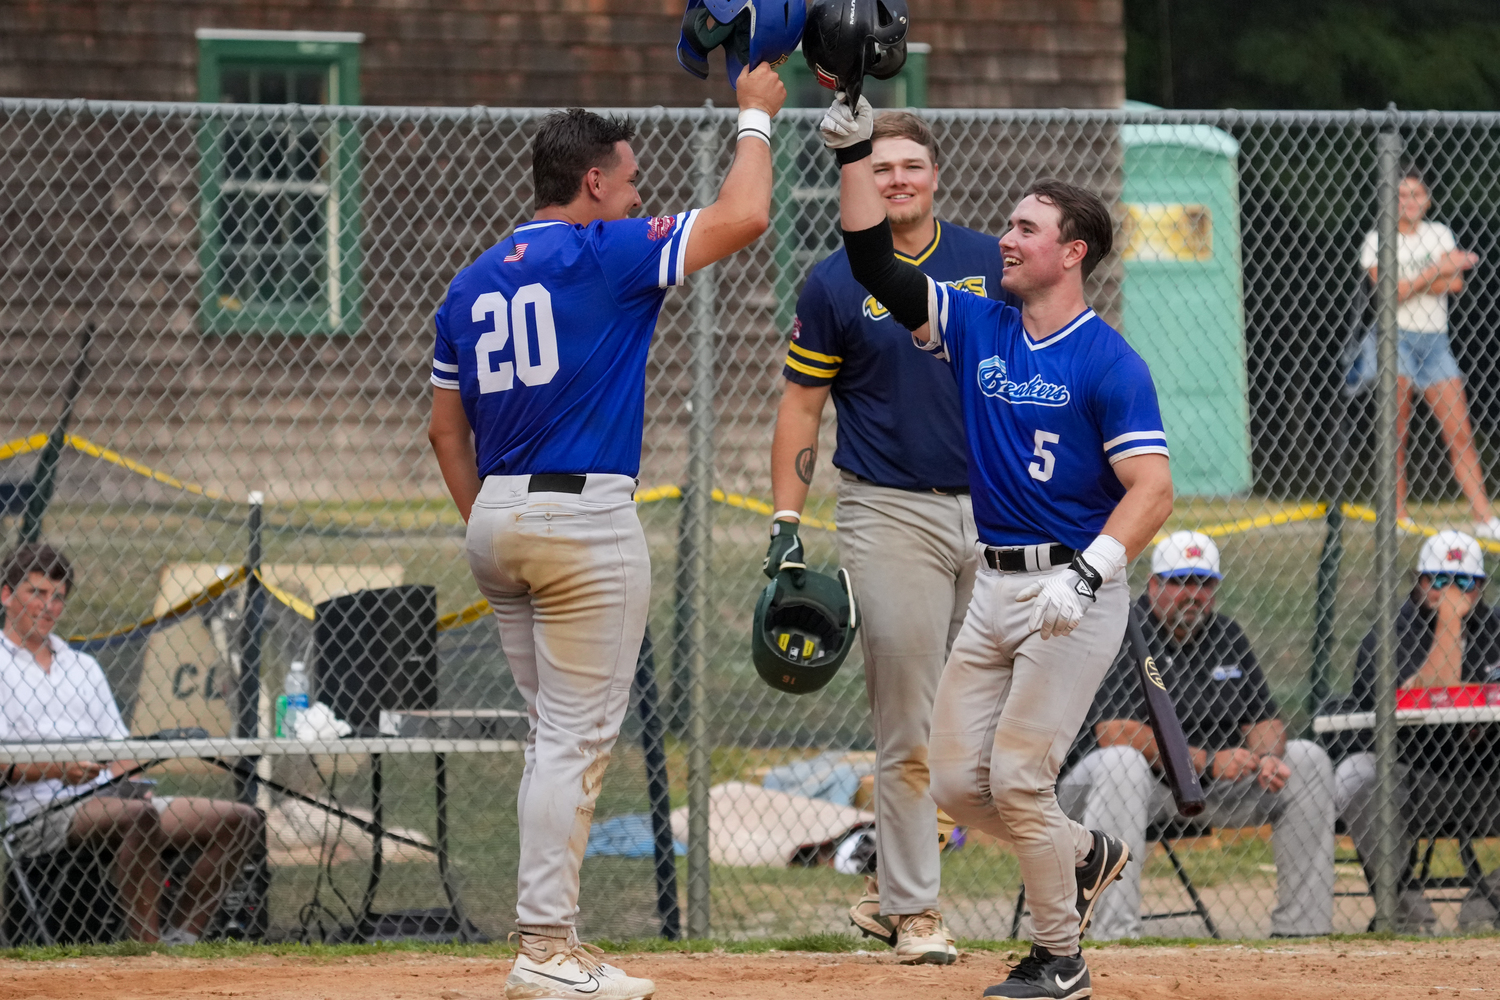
(53,692)
(1430,268)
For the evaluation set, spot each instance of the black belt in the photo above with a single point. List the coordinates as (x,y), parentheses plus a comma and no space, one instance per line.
(942,491)
(556,482)
(1013,559)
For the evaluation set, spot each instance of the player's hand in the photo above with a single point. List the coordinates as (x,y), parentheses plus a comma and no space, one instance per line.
(785,552)
(1454,604)
(1274,773)
(1232,765)
(760,88)
(844,127)
(80,771)
(1059,606)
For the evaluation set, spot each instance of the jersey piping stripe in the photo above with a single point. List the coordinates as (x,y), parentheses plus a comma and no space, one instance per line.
(1037,345)
(1150,449)
(445,383)
(682,242)
(798,366)
(443,366)
(832,359)
(538,225)
(1134,436)
(927,252)
(674,254)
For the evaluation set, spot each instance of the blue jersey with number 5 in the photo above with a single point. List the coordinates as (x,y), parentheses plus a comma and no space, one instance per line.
(545,338)
(1046,419)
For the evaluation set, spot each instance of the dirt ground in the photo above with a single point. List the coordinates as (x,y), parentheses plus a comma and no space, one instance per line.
(1369,970)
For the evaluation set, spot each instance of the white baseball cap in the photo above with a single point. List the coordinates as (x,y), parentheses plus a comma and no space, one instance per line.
(1451,552)
(1186,553)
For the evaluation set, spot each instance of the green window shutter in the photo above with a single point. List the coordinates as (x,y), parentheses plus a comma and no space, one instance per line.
(279,218)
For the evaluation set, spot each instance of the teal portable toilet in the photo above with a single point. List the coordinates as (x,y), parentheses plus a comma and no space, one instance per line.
(1184,308)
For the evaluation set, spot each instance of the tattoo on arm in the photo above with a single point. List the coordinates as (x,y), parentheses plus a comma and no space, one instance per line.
(807,460)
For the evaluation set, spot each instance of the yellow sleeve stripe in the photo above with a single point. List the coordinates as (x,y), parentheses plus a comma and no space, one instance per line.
(798,366)
(831,359)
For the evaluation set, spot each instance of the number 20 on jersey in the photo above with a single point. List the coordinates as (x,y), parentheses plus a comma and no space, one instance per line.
(535,362)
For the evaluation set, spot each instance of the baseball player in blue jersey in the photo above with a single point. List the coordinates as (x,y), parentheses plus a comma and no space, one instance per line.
(537,410)
(1070,479)
(906,529)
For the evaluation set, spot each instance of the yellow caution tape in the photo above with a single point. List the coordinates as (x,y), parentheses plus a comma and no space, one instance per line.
(26,445)
(209,593)
(473,613)
(292,601)
(22,446)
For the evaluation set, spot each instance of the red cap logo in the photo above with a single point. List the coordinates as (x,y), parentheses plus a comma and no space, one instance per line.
(1456,555)
(1193,552)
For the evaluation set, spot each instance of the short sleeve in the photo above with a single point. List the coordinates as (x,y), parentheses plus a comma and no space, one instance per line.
(1259,705)
(640,255)
(444,357)
(1369,251)
(104,712)
(816,351)
(1129,416)
(1442,239)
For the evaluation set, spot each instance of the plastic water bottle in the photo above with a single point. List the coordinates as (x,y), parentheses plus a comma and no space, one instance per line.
(295,689)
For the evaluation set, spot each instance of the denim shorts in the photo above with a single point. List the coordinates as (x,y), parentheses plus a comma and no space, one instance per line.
(1424,358)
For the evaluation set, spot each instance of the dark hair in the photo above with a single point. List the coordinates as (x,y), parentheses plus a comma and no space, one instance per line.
(567,145)
(1413,173)
(1082,215)
(36,557)
(905,125)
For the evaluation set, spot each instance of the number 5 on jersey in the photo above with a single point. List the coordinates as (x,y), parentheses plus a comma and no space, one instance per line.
(531,369)
(1043,472)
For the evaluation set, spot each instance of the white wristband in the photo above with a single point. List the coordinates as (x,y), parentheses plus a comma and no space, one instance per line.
(1107,555)
(755,123)
(785,515)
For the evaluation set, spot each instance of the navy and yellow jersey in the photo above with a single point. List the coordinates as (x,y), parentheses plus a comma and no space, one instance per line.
(1045,419)
(899,421)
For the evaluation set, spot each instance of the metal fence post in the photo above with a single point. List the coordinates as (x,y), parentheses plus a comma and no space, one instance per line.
(697,511)
(247,719)
(1389,149)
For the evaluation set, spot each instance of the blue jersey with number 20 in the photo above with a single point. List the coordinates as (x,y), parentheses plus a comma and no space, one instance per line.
(1046,419)
(545,338)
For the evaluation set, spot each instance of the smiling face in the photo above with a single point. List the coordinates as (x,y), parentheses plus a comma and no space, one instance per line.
(1412,201)
(1035,255)
(906,178)
(614,185)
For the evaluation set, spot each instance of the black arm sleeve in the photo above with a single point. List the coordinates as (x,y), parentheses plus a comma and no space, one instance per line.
(897,285)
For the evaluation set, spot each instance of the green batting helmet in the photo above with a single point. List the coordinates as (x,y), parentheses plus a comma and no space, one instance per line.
(802,635)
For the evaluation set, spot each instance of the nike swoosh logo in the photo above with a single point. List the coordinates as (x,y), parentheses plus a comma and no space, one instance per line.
(1068,984)
(577,984)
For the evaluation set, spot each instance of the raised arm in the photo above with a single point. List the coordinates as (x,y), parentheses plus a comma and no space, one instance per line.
(900,287)
(743,210)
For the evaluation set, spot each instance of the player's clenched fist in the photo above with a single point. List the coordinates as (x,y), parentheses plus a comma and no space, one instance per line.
(785,552)
(760,89)
(843,127)
(1060,597)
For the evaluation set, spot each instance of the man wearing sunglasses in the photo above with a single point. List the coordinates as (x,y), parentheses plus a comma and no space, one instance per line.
(1445,636)
(1252,773)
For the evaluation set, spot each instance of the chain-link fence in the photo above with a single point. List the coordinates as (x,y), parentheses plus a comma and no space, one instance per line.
(216,327)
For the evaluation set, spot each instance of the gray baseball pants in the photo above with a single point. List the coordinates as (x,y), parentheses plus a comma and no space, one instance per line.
(1114,789)
(1008,708)
(1358,806)
(569,579)
(912,558)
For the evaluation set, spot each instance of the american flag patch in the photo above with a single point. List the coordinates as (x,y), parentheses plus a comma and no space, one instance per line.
(520,252)
(660,227)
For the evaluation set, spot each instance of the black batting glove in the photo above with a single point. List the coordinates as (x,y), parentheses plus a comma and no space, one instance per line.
(785,552)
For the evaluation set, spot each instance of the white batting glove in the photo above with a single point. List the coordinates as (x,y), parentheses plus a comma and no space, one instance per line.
(1059,606)
(843,127)
(1062,598)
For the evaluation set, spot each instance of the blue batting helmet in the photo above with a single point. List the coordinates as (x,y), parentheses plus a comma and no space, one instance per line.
(751,31)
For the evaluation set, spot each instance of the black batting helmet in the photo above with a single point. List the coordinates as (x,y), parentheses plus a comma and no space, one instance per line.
(845,40)
(800,636)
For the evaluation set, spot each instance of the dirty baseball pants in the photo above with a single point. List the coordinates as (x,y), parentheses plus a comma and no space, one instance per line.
(1114,789)
(911,557)
(569,579)
(1007,710)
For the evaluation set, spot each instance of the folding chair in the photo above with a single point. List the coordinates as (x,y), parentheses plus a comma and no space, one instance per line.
(1163,834)
(64,896)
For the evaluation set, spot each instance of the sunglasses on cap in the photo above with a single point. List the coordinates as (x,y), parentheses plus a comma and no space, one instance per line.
(1463,581)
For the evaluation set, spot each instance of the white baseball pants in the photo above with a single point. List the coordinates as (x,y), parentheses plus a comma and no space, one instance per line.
(1008,708)
(912,559)
(570,580)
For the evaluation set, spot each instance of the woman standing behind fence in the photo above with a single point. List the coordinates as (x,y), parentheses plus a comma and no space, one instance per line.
(1429,268)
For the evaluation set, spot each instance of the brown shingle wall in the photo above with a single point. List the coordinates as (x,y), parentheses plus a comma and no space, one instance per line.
(985,53)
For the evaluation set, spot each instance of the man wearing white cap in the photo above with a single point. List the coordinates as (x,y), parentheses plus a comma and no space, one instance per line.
(1445,636)
(1252,773)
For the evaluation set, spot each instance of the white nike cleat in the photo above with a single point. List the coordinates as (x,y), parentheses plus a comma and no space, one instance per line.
(922,939)
(572,974)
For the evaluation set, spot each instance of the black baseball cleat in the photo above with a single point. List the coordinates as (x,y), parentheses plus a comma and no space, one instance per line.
(1042,975)
(1106,861)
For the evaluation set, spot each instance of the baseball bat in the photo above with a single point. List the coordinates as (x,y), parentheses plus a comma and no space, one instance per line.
(1171,744)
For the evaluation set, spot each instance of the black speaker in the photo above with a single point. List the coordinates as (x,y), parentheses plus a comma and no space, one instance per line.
(376,649)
